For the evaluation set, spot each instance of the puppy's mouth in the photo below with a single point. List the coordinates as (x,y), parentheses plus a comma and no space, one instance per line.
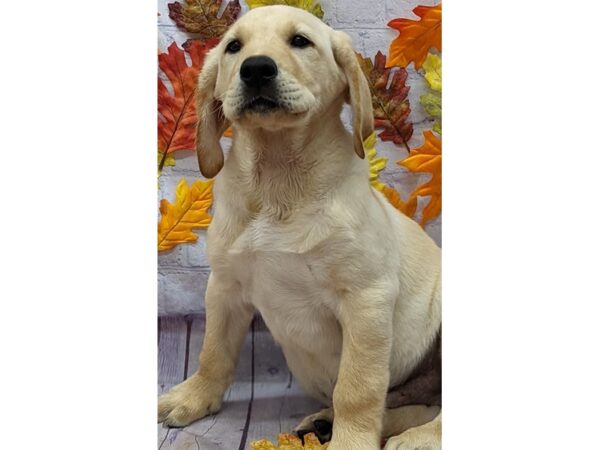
(261,104)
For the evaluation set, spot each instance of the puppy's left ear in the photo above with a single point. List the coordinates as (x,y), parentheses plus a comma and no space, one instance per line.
(359,94)
(211,121)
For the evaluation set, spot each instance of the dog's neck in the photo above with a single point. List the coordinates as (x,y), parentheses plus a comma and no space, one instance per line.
(283,170)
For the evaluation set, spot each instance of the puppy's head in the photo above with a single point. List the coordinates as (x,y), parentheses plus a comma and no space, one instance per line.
(277,67)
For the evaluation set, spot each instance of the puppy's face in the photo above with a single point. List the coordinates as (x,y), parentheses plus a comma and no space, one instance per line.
(276,68)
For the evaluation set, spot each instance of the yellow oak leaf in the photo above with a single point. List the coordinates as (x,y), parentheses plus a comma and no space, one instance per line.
(308,5)
(427,158)
(288,441)
(433,71)
(189,211)
(416,37)
(408,208)
(376,164)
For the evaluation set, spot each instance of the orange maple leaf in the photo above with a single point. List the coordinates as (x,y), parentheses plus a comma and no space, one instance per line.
(177,111)
(408,208)
(188,211)
(289,441)
(427,158)
(416,37)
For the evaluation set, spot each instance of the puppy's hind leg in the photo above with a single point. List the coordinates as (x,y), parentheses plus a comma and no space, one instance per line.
(398,420)
(422,437)
(395,421)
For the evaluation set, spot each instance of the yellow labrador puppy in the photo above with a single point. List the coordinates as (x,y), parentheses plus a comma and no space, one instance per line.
(348,286)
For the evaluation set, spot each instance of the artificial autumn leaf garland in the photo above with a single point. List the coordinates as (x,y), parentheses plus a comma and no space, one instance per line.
(413,45)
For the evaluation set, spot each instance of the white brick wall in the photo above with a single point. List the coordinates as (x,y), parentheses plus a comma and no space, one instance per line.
(183,271)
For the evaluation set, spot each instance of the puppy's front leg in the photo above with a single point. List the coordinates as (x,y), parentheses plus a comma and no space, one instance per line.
(363,378)
(227,322)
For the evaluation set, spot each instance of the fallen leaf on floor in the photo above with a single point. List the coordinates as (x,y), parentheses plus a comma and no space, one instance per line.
(289,441)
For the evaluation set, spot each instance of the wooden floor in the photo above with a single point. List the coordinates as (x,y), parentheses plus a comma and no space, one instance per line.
(263,401)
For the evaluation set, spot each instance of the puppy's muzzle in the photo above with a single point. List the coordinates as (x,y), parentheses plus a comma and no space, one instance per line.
(258,74)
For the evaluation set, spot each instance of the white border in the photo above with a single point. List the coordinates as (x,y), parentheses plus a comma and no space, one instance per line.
(521,226)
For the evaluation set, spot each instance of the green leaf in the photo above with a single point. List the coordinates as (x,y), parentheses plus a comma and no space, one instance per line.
(432,104)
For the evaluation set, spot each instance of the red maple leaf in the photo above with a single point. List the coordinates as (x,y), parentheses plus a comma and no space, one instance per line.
(177,110)
(390,104)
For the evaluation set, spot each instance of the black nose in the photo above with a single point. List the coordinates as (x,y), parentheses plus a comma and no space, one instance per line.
(258,71)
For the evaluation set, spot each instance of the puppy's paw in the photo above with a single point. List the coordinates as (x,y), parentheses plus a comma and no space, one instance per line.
(321,424)
(189,401)
(418,438)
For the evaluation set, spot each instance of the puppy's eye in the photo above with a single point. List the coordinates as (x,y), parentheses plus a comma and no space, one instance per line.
(233,47)
(300,41)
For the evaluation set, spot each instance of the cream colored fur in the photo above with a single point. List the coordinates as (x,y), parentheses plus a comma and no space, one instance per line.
(348,286)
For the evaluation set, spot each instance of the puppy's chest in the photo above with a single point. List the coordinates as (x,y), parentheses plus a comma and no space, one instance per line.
(267,243)
(279,276)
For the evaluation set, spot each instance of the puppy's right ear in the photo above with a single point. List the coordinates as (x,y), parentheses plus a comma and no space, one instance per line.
(211,121)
